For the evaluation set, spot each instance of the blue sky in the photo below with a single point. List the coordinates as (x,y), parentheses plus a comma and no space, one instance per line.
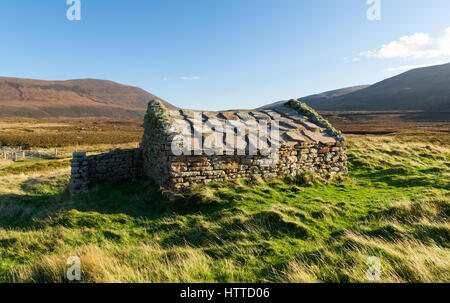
(222,54)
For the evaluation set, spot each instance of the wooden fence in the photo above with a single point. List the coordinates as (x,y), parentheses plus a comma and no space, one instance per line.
(16,153)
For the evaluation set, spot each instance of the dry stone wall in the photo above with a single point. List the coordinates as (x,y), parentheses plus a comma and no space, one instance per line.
(117,165)
(323,159)
(156,143)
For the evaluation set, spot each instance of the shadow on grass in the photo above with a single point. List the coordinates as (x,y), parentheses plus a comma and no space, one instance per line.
(140,201)
(398,176)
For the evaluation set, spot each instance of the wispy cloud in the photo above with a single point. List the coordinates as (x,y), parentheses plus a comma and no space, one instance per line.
(416,46)
(408,67)
(190,78)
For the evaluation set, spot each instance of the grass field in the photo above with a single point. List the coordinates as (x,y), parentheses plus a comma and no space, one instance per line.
(395,205)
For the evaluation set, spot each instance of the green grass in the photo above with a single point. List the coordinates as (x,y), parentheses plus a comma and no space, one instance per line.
(33,166)
(395,205)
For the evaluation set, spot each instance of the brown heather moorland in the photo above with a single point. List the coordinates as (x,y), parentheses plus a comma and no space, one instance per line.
(64,133)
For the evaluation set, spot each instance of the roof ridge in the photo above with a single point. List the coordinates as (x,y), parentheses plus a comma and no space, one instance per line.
(304,109)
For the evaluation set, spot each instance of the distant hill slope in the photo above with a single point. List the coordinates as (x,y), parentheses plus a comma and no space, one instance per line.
(323,96)
(39,99)
(425,89)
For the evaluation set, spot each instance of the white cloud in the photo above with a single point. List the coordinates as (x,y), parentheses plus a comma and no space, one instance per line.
(190,78)
(416,46)
(408,67)
(356,59)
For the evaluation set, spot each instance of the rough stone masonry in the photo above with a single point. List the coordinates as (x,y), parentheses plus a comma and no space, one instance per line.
(305,142)
(117,165)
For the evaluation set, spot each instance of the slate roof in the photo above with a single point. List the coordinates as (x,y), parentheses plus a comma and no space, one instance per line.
(295,128)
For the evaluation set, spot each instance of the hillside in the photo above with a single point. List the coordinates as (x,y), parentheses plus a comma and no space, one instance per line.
(323,96)
(39,99)
(421,89)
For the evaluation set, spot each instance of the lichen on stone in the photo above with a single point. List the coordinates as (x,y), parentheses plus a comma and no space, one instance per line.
(315,117)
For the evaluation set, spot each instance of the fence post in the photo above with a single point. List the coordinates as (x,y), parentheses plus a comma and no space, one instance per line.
(15,156)
(56,152)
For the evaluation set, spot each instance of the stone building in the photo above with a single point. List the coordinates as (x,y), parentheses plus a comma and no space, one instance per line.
(305,142)
(185,147)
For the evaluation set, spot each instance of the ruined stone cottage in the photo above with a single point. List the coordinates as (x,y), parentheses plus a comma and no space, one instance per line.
(185,147)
